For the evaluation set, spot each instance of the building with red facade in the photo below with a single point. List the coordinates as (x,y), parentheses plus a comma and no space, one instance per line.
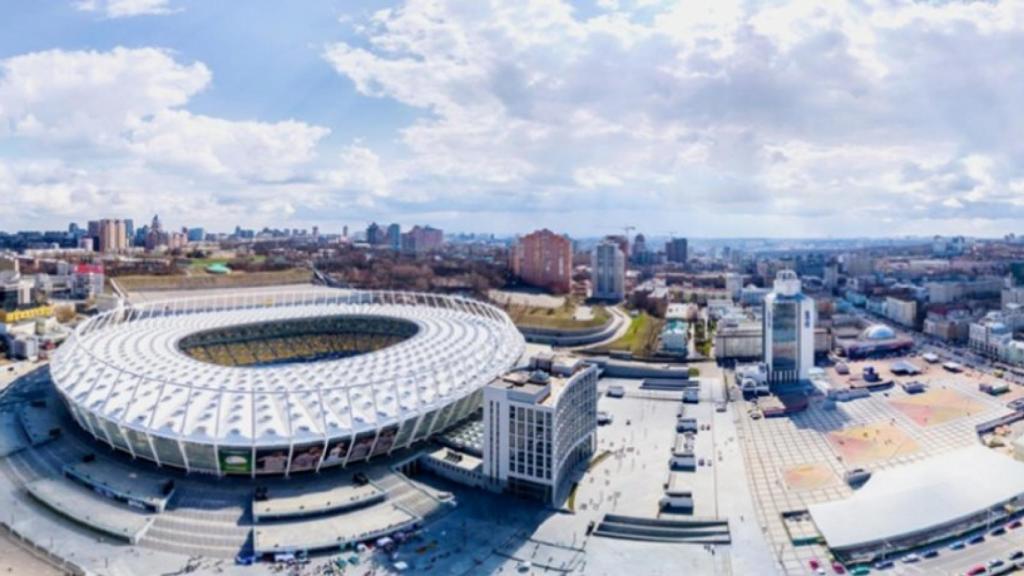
(544,259)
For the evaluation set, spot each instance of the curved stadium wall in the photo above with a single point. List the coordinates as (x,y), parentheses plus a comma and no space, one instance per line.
(278,383)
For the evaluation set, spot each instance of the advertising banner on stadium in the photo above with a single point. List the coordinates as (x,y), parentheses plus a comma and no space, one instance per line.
(306,457)
(271,460)
(235,460)
(337,449)
(386,440)
(361,449)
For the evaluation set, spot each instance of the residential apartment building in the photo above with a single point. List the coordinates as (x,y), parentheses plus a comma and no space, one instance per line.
(394,236)
(608,272)
(901,310)
(951,291)
(1012,295)
(422,239)
(109,235)
(544,259)
(949,325)
(375,234)
(676,250)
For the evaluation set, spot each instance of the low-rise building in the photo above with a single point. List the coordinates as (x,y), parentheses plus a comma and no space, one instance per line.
(901,310)
(990,334)
(1012,295)
(753,295)
(948,325)
(25,348)
(739,339)
(675,337)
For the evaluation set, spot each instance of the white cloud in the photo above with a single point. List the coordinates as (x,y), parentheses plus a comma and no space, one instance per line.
(126,8)
(741,117)
(93,96)
(359,170)
(119,122)
(244,150)
(131,101)
(723,107)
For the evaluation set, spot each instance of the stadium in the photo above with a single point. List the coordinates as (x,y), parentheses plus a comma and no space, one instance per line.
(279,383)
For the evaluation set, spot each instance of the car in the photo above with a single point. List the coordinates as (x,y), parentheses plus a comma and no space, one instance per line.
(1017,555)
(1014,525)
(995,563)
(814,564)
(977,539)
(958,545)
(979,569)
(838,568)
(999,531)
(860,571)
(883,564)
(911,558)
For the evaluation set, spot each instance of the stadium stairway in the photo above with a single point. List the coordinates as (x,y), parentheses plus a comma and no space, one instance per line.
(695,531)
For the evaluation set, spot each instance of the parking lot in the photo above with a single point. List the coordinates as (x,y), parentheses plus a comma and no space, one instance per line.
(961,561)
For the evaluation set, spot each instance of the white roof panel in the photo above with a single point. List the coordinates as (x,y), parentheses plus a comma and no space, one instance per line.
(902,501)
(130,369)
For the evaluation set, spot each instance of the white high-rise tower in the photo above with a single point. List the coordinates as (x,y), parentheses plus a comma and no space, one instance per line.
(608,264)
(789,319)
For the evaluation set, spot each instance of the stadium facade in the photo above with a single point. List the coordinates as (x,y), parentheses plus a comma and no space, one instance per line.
(279,383)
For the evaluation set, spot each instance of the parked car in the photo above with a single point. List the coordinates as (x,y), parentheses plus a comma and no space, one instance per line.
(838,568)
(999,531)
(977,539)
(958,545)
(1017,555)
(911,558)
(934,552)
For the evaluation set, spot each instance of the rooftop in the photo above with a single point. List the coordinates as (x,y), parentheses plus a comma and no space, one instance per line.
(129,368)
(533,387)
(900,501)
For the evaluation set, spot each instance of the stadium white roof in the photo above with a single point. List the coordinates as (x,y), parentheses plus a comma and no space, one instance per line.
(921,496)
(127,368)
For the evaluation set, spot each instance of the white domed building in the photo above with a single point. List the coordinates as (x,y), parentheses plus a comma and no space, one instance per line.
(874,340)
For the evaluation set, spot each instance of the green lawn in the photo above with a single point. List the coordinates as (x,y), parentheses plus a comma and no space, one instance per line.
(202,263)
(641,338)
(199,264)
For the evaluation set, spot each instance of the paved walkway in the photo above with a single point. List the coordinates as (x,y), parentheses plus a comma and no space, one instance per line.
(775,446)
(16,560)
(622,327)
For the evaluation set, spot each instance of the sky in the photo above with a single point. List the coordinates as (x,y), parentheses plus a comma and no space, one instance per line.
(715,118)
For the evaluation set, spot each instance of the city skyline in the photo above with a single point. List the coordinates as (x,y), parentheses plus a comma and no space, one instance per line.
(714,121)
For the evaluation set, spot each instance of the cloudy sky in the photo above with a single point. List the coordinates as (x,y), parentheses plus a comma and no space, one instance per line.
(705,118)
